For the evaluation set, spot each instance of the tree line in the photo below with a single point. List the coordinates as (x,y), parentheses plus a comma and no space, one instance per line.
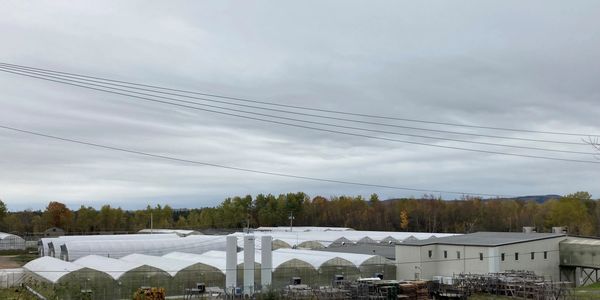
(578,211)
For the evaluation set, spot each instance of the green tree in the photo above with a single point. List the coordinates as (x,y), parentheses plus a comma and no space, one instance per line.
(570,211)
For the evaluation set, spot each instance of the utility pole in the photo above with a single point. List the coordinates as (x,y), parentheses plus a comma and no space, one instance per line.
(291,217)
(151,224)
(248,223)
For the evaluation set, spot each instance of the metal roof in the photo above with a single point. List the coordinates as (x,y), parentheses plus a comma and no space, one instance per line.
(485,239)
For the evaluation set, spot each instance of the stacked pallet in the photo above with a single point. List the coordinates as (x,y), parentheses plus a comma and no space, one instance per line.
(414,290)
(422,292)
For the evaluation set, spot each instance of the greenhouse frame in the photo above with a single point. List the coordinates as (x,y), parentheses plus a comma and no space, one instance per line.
(73,250)
(11,242)
(128,276)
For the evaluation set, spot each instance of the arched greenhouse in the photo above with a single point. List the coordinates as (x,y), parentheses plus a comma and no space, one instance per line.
(59,279)
(128,276)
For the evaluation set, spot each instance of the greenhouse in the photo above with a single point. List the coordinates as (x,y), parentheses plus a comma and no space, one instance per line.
(72,250)
(44,247)
(326,265)
(128,276)
(371,265)
(286,268)
(55,278)
(240,264)
(311,245)
(212,268)
(179,232)
(319,239)
(184,273)
(311,266)
(55,244)
(11,242)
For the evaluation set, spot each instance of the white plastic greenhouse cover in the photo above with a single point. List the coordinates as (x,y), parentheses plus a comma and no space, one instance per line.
(314,258)
(216,262)
(45,242)
(169,265)
(180,232)
(104,237)
(326,238)
(59,241)
(302,228)
(113,267)
(118,248)
(10,241)
(240,256)
(50,268)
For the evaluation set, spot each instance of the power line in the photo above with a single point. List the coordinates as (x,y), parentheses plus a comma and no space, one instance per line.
(60,75)
(70,82)
(318,109)
(189,161)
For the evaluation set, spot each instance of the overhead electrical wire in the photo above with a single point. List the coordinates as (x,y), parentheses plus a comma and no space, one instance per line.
(136,86)
(195,162)
(323,110)
(113,90)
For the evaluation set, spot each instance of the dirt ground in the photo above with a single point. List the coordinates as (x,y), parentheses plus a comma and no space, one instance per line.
(16,260)
(9,262)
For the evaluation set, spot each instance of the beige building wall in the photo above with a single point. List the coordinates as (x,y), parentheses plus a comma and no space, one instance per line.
(548,267)
(475,259)
(409,266)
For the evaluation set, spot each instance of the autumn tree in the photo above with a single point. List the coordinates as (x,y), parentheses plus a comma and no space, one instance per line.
(403,220)
(58,215)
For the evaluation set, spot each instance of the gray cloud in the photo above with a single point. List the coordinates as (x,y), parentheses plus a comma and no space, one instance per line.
(505,63)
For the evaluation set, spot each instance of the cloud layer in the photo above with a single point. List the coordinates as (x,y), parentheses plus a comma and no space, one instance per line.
(531,65)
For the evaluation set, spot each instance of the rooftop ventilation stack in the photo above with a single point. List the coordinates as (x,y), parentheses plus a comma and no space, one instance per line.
(249,265)
(266,262)
(231,264)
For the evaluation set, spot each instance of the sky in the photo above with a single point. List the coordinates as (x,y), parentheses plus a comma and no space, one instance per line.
(531,65)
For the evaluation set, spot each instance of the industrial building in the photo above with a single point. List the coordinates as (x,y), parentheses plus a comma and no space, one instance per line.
(480,253)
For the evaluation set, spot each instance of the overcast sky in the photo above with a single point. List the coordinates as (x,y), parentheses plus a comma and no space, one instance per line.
(531,65)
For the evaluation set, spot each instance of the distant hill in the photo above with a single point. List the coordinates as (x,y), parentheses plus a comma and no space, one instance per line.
(539,198)
(536,198)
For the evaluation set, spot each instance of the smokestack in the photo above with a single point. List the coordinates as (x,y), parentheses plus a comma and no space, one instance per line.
(249,261)
(266,261)
(231,264)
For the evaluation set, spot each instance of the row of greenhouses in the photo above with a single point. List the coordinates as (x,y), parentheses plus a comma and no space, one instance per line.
(328,237)
(71,248)
(109,278)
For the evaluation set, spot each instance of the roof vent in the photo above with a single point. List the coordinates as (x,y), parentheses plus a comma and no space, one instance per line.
(559,229)
(528,229)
